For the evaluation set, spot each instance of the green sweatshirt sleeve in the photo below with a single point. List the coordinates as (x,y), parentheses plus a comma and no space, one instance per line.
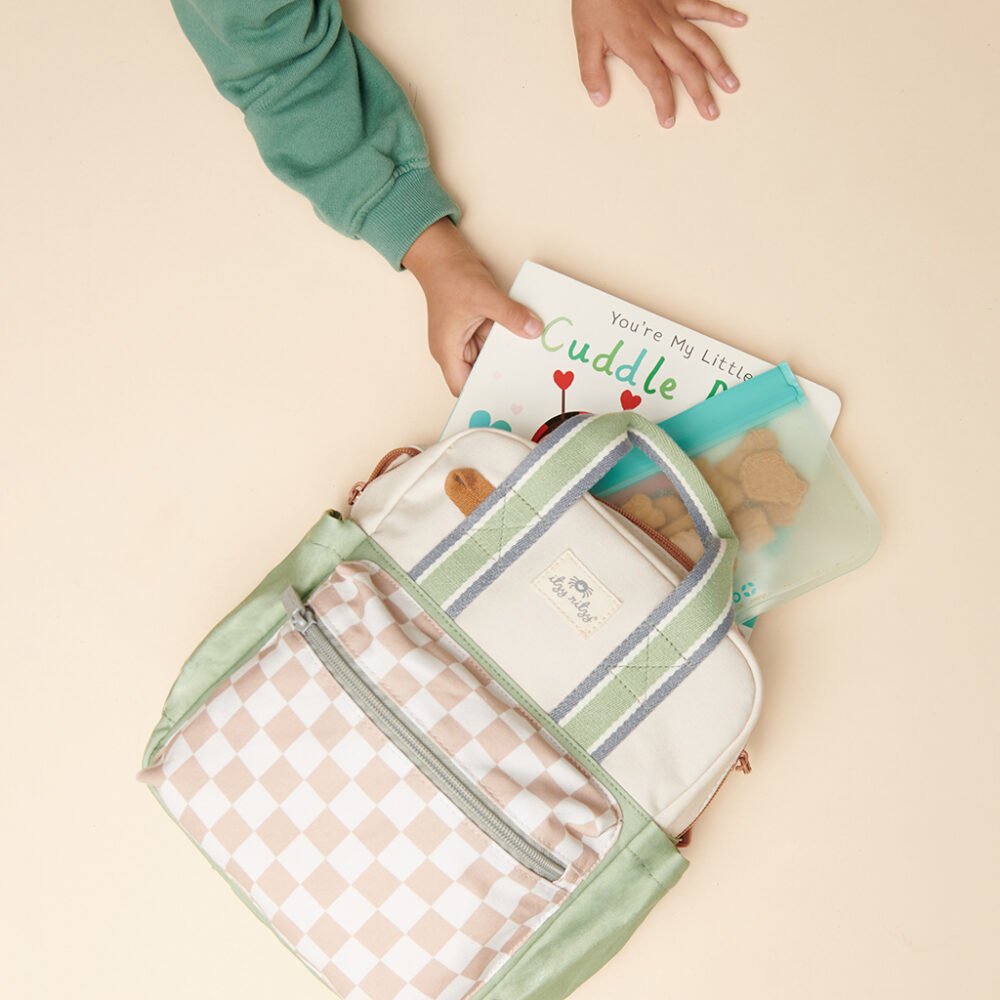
(327,117)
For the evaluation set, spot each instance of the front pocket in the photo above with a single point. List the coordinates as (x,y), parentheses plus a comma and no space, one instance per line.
(422,752)
(387,881)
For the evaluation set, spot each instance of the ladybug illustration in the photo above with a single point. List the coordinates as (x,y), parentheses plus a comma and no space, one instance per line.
(557,421)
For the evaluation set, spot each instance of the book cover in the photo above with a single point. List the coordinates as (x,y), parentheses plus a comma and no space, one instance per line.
(600,354)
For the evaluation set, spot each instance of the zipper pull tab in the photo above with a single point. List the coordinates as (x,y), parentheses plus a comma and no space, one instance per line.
(383,466)
(298,614)
(743,763)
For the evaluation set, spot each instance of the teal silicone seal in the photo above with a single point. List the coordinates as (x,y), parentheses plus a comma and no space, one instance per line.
(712,421)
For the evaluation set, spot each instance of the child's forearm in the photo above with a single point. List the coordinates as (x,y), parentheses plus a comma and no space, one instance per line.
(327,117)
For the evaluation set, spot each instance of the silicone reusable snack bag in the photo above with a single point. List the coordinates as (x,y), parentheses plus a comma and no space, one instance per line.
(799,514)
(447,747)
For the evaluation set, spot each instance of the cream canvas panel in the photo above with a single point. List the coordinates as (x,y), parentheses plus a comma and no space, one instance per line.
(531,632)
(408,511)
(532,640)
(671,758)
(685,747)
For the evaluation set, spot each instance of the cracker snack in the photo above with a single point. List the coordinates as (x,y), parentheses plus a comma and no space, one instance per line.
(756,487)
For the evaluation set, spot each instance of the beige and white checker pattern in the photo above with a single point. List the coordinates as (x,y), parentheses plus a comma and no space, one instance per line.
(449,696)
(369,872)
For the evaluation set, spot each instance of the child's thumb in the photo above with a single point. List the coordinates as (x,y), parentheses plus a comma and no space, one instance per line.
(515,317)
(455,372)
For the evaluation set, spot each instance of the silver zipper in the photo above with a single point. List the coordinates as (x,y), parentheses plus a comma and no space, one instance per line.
(423,754)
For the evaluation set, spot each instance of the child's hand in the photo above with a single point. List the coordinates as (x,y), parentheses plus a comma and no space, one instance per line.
(463,301)
(656,38)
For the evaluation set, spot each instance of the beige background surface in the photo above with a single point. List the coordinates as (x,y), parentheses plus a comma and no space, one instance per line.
(193,367)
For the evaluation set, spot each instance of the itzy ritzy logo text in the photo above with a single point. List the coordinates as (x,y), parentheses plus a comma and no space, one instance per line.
(576,593)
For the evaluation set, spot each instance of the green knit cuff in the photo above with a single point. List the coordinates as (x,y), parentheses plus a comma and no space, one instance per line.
(412,203)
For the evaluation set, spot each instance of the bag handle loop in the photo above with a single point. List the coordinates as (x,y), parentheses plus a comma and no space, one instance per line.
(680,632)
(550,479)
(677,634)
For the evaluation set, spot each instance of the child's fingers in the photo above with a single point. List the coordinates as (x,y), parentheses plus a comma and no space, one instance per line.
(654,76)
(515,317)
(706,10)
(682,61)
(709,55)
(593,73)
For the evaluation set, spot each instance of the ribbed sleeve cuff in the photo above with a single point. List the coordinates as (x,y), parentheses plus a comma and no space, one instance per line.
(414,201)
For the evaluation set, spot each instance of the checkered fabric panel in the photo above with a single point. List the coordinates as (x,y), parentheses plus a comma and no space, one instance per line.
(362,866)
(452,699)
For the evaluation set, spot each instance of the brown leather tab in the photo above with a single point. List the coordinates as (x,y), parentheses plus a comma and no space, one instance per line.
(467,489)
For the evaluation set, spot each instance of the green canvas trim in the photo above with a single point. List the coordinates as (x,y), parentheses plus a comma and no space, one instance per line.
(242,632)
(593,925)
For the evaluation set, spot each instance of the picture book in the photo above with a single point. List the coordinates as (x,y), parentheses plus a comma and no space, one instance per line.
(600,354)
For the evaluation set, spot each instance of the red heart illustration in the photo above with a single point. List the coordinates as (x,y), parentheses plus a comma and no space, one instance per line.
(563,379)
(629,400)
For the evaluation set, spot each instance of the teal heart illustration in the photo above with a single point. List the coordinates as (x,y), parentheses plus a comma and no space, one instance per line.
(482,419)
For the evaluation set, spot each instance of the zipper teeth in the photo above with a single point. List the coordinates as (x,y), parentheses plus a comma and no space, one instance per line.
(742,764)
(425,757)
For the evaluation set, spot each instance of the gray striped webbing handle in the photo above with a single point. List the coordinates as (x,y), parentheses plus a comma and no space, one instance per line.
(680,631)
(678,634)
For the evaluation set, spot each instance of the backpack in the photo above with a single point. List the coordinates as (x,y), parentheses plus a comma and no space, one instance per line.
(451,744)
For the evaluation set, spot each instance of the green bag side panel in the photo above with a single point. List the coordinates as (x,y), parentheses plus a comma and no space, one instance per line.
(242,632)
(594,923)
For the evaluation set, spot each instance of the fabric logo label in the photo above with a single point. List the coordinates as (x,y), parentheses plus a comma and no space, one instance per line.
(577,594)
